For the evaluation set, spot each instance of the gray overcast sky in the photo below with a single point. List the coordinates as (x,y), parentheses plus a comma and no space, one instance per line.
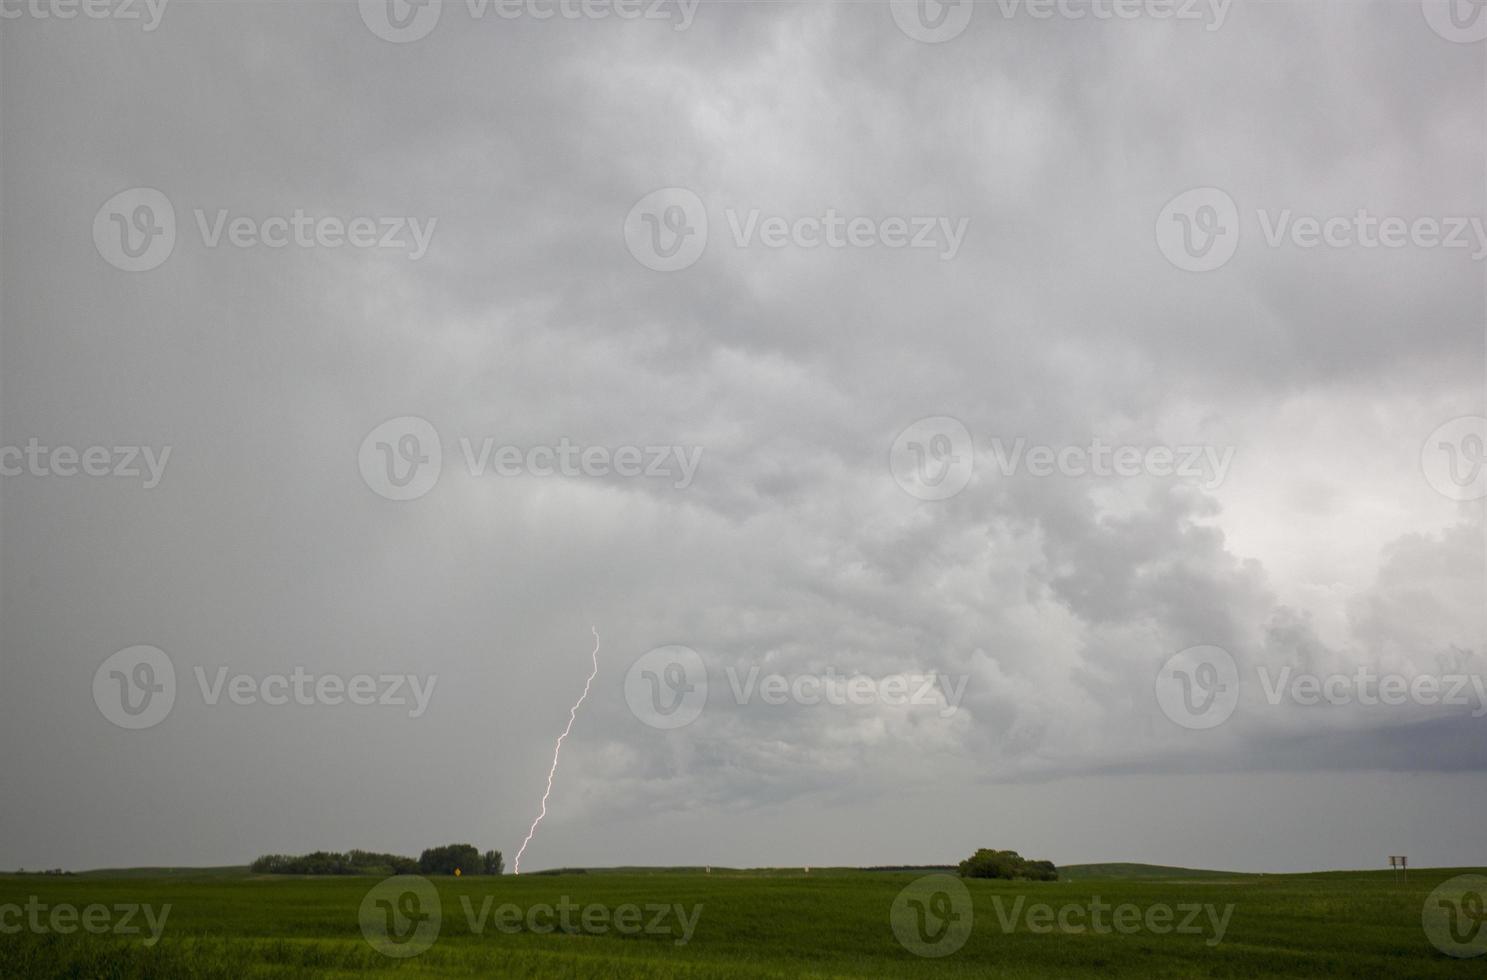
(1072,291)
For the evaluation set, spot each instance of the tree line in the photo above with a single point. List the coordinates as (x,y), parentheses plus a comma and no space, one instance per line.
(449,859)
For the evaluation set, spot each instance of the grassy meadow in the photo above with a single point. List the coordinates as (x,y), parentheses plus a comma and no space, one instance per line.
(776,924)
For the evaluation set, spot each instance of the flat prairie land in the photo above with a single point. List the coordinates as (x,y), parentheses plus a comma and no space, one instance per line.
(689,923)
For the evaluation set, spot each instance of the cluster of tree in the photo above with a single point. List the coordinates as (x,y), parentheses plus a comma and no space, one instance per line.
(463,858)
(1006,864)
(334,863)
(434,861)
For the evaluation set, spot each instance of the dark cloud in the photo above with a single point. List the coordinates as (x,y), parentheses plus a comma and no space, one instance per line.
(1059,321)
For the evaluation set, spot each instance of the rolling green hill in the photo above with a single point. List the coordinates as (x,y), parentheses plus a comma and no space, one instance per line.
(1144,872)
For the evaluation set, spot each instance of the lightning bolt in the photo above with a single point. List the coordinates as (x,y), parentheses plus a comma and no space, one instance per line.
(557,750)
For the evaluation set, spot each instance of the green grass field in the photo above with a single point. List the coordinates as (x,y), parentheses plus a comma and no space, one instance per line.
(832,923)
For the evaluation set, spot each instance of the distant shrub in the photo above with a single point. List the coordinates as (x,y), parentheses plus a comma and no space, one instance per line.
(1008,865)
(1042,871)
